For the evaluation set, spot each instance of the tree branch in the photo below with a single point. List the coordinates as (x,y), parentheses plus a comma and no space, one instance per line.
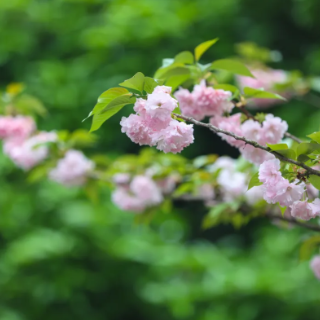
(250,142)
(309,226)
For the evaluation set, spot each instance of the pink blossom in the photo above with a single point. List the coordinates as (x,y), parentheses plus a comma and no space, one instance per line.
(302,210)
(164,89)
(72,169)
(167,185)
(273,129)
(315,266)
(146,190)
(188,104)
(283,192)
(255,155)
(252,130)
(137,130)
(231,124)
(316,206)
(224,162)
(269,172)
(26,154)
(312,191)
(212,101)
(175,137)
(16,127)
(160,100)
(121,178)
(139,107)
(233,184)
(125,201)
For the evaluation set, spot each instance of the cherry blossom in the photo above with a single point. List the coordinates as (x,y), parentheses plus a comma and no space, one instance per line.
(315,266)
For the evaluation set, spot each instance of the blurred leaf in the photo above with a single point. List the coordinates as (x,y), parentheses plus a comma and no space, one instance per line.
(112,108)
(254,181)
(203,47)
(282,209)
(278,146)
(315,181)
(175,81)
(82,138)
(228,87)
(136,82)
(185,57)
(149,84)
(307,248)
(27,104)
(260,94)
(305,148)
(315,136)
(233,66)
(289,153)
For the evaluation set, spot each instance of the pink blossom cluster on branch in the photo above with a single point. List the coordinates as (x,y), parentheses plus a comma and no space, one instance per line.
(153,125)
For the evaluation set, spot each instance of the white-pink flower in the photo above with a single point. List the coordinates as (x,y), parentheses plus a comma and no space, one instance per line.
(269,172)
(232,184)
(231,124)
(175,137)
(121,178)
(315,266)
(125,201)
(164,89)
(273,129)
(254,195)
(137,130)
(302,210)
(19,127)
(72,169)
(255,155)
(252,130)
(28,153)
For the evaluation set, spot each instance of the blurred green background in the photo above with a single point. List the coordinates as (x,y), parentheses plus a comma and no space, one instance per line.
(63,257)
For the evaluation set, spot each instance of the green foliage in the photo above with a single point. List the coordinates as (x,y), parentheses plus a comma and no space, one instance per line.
(203,47)
(260,94)
(254,181)
(315,181)
(315,136)
(232,66)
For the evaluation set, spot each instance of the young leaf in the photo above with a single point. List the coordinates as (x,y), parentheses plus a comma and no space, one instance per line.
(175,81)
(308,247)
(254,181)
(228,87)
(105,98)
(279,146)
(282,209)
(261,94)
(315,136)
(305,148)
(136,82)
(233,66)
(149,84)
(203,47)
(315,181)
(185,57)
(289,153)
(112,108)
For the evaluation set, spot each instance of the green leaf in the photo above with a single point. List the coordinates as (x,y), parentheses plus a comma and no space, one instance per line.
(185,57)
(233,66)
(288,153)
(305,148)
(112,108)
(315,181)
(136,82)
(105,98)
(308,247)
(228,87)
(261,94)
(172,70)
(315,136)
(278,146)
(203,47)
(254,181)
(149,84)
(282,209)
(175,81)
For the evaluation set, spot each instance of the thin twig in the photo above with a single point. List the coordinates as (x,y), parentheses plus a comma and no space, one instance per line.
(309,226)
(250,142)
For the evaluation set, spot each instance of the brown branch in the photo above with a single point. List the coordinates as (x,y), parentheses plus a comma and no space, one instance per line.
(250,142)
(309,226)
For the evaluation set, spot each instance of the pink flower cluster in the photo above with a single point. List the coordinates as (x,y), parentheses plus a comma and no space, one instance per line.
(72,169)
(28,153)
(204,101)
(153,125)
(142,192)
(270,131)
(278,189)
(23,148)
(264,79)
(315,266)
